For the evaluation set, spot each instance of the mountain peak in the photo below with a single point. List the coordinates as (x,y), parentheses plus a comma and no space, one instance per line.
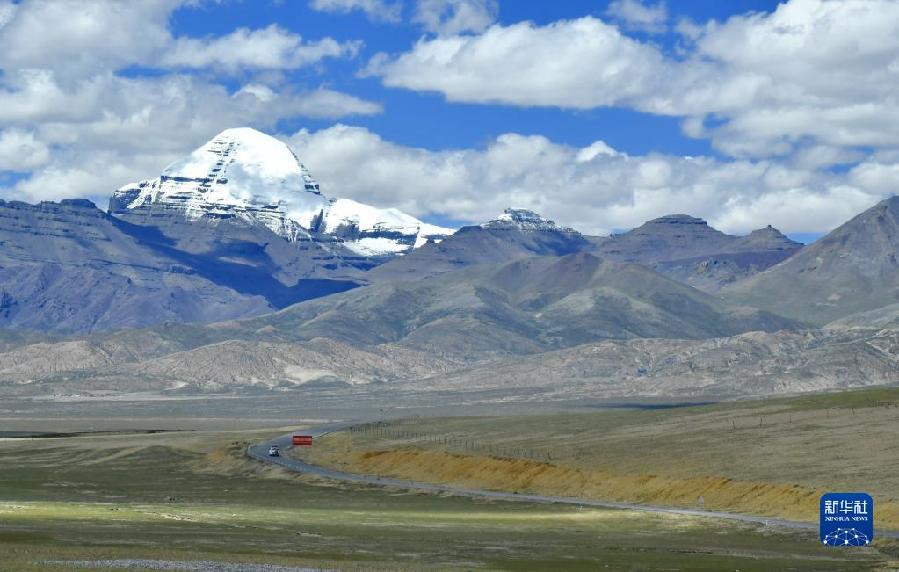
(677,227)
(524,219)
(249,133)
(240,173)
(771,239)
(850,270)
(247,176)
(677,219)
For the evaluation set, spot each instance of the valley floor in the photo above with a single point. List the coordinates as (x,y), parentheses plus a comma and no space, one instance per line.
(770,458)
(129,498)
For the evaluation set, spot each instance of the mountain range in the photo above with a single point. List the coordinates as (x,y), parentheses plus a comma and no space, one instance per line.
(689,250)
(851,270)
(238,228)
(232,270)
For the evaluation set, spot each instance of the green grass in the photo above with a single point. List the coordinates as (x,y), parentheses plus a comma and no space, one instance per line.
(193,496)
(874,397)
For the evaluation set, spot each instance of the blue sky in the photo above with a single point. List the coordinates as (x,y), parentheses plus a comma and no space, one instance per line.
(426,119)
(599,114)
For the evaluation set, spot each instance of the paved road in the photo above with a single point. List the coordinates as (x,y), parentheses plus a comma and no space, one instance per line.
(260,452)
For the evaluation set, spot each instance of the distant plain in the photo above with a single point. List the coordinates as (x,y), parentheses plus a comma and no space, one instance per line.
(192,495)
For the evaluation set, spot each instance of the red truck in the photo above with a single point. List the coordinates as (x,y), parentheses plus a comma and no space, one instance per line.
(302,440)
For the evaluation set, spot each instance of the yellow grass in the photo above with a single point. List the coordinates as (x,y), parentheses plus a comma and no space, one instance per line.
(769,459)
(527,476)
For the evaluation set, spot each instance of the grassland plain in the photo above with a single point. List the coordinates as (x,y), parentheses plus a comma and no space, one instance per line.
(194,496)
(773,458)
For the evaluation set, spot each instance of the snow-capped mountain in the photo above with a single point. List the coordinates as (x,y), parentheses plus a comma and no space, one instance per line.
(245,175)
(524,219)
(241,173)
(370,231)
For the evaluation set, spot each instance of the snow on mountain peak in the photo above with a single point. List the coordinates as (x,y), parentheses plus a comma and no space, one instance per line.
(524,219)
(372,231)
(245,174)
(240,173)
(263,156)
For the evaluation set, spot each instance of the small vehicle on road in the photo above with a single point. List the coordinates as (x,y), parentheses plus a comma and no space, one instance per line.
(274,451)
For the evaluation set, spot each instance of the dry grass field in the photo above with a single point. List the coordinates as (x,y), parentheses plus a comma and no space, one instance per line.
(193,496)
(772,458)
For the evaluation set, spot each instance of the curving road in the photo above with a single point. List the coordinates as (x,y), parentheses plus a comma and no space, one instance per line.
(260,453)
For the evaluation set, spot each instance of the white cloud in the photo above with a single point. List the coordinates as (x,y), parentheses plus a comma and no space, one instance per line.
(580,64)
(87,175)
(818,156)
(325,104)
(267,48)
(813,82)
(149,111)
(34,95)
(111,130)
(595,188)
(82,129)
(826,69)
(455,16)
(20,151)
(594,150)
(689,29)
(378,10)
(800,210)
(820,72)
(640,16)
(7,11)
(260,91)
(359,164)
(79,36)
(875,175)
(439,16)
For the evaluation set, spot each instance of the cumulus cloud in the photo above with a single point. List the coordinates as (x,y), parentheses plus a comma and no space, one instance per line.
(830,72)
(324,104)
(377,10)
(158,112)
(82,128)
(455,16)
(118,130)
(437,16)
(7,11)
(267,48)
(640,16)
(762,84)
(594,188)
(786,94)
(878,176)
(81,36)
(20,151)
(88,174)
(90,36)
(580,64)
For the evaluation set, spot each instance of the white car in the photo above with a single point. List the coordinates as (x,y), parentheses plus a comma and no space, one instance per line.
(274,451)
